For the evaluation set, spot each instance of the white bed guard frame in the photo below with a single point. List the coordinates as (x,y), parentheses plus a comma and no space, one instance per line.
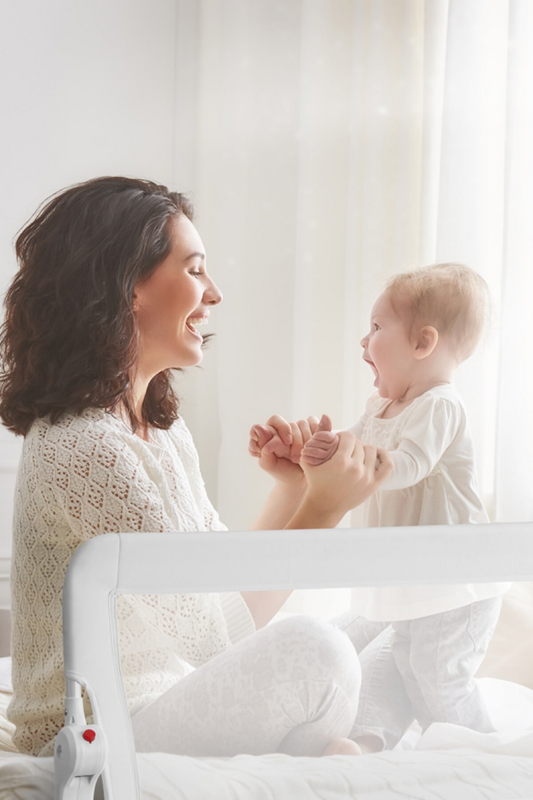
(134,563)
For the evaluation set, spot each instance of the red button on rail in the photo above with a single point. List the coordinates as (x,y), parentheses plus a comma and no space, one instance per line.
(89,735)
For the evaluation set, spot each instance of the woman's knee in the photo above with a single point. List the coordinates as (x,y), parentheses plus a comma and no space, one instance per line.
(320,651)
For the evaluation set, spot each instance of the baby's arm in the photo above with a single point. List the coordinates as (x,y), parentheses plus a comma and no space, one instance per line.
(411,465)
(424,441)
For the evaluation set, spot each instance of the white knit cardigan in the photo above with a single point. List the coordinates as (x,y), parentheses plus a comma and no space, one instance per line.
(83,476)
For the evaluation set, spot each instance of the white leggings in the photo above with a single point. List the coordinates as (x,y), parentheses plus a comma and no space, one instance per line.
(291,688)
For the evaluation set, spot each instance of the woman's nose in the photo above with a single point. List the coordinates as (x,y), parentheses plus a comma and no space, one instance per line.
(212,294)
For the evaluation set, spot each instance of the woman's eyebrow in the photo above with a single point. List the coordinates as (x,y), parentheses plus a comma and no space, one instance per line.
(195,255)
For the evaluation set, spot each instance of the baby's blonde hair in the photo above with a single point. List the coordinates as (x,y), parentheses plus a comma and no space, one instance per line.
(451,298)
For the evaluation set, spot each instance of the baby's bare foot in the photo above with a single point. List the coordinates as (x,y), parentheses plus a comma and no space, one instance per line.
(342,747)
(369,743)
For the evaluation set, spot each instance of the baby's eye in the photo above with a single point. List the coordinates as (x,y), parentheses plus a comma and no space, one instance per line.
(376,326)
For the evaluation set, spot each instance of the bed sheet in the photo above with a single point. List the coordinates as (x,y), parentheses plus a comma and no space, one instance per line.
(446,763)
(386,776)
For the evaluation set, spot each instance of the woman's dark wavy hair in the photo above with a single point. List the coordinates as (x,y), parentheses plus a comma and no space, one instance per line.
(69,339)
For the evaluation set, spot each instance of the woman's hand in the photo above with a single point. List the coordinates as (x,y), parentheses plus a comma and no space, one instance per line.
(350,476)
(278,446)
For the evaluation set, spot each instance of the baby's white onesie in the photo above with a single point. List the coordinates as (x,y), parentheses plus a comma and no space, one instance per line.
(433,483)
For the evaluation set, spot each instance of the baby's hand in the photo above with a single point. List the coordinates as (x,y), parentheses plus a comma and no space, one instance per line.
(322,445)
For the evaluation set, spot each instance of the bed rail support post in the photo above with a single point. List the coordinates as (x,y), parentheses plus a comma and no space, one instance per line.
(92,661)
(79,752)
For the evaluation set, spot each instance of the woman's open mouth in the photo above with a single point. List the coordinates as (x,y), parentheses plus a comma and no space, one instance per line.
(193,322)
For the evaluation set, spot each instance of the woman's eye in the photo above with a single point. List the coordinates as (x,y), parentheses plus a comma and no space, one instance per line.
(196,273)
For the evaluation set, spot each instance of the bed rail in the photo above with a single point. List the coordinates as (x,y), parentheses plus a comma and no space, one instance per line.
(134,563)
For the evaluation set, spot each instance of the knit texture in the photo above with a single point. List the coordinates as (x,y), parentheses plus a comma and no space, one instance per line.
(83,476)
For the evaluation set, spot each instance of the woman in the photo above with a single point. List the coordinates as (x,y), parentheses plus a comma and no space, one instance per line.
(111,288)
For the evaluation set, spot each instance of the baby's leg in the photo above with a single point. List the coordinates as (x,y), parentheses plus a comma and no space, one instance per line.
(438,657)
(384,711)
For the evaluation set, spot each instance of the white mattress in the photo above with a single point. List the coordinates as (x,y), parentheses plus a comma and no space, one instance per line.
(410,775)
(449,763)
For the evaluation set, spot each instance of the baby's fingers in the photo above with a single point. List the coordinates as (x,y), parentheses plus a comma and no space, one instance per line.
(315,461)
(324,437)
(325,423)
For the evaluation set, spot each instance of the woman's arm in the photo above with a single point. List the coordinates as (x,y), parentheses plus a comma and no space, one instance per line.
(335,487)
(284,499)
(282,463)
(281,505)
(331,490)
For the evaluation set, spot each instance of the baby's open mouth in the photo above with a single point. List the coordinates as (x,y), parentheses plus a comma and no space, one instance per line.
(371,365)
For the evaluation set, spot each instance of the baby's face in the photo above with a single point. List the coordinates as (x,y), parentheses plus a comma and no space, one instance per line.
(388,351)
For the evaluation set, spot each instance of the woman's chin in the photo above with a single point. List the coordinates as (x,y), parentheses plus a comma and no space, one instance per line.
(193,360)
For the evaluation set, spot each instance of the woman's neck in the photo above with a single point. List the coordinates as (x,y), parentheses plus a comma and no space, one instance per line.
(140,428)
(138,392)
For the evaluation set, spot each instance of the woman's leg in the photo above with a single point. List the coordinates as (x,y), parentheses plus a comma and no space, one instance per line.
(292,687)
(384,712)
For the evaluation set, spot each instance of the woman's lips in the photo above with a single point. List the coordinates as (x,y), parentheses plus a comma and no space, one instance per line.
(196,320)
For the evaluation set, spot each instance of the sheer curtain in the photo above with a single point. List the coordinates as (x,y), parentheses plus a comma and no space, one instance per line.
(328,145)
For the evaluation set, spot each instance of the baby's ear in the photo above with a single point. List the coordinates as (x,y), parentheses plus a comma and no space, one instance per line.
(426,341)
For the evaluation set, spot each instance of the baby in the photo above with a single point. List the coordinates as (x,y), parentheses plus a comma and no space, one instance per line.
(422,327)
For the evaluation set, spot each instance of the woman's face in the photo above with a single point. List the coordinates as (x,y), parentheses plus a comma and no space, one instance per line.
(168,305)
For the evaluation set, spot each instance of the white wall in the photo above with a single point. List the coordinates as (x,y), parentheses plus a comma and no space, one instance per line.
(87,89)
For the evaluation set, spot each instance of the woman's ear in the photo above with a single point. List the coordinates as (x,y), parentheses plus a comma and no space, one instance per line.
(427,339)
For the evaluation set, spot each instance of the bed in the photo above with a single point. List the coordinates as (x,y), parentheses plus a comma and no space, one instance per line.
(446,763)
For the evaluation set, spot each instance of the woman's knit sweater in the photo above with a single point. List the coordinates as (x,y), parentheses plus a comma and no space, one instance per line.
(83,476)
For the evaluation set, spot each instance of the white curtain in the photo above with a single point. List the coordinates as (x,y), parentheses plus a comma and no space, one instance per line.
(334,143)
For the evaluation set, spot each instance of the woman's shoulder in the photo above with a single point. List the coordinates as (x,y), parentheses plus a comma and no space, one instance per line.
(179,432)
(90,429)
(182,439)
(88,421)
